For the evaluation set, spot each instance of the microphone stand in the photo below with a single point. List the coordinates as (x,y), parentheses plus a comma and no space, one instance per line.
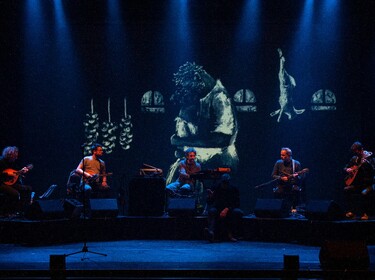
(85,248)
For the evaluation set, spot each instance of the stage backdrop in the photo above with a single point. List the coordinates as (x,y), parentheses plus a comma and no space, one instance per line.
(238,80)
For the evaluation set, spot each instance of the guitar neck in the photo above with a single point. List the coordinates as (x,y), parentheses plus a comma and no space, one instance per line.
(103,175)
(305,170)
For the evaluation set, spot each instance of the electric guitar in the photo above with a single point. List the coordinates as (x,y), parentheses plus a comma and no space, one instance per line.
(12,175)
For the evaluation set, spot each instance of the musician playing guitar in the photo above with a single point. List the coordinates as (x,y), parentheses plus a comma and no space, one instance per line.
(289,174)
(93,172)
(186,167)
(18,195)
(359,179)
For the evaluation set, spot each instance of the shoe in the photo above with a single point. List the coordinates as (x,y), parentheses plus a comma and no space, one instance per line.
(13,215)
(209,234)
(350,215)
(364,217)
(231,238)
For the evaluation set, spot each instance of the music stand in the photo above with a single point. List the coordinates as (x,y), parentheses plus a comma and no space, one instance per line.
(85,248)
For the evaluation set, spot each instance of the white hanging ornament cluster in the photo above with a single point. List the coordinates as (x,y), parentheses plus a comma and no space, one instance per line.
(126,134)
(91,125)
(108,130)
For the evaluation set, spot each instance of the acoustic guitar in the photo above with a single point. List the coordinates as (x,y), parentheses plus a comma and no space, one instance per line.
(96,176)
(13,175)
(355,168)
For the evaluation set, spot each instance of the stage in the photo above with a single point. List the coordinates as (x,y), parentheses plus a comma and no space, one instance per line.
(174,247)
(172,259)
(292,229)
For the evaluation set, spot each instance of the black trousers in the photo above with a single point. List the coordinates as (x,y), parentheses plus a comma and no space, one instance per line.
(230,224)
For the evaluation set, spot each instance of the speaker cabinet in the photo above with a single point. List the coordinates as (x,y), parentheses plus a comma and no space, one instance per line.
(271,208)
(104,208)
(323,210)
(344,254)
(146,196)
(46,209)
(181,206)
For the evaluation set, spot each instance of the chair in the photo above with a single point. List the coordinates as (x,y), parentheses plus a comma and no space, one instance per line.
(73,185)
(74,188)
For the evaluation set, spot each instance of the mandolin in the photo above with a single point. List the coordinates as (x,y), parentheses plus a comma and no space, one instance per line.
(303,171)
(12,175)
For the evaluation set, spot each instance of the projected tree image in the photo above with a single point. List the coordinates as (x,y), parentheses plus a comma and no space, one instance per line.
(206,120)
(287,85)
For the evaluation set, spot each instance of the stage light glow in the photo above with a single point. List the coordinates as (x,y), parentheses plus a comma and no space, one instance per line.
(248,28)
(34,21)
(177,32)
(59,14)
(303,37)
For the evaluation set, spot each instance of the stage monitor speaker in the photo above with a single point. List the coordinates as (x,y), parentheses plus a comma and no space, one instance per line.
(104,208)
(146,196)
(271,208)
(326,210)
(344,254)
(181,206)
(46,209)
(73,208)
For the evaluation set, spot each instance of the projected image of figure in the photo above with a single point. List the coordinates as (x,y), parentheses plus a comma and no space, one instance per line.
(206,119)
(287,85)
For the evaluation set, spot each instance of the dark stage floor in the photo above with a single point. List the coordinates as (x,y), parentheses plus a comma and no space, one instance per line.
(174,248)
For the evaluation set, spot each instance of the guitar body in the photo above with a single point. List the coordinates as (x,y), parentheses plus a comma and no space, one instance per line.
(303,171)
(350,178)
(281,188)
(95,177)
(355,168)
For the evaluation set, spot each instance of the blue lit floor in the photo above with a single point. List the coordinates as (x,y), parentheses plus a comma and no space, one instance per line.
(136,257)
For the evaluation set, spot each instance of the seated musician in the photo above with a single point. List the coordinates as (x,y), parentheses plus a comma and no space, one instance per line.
(18,195)
(93,171)
(360,171)
(184,183)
